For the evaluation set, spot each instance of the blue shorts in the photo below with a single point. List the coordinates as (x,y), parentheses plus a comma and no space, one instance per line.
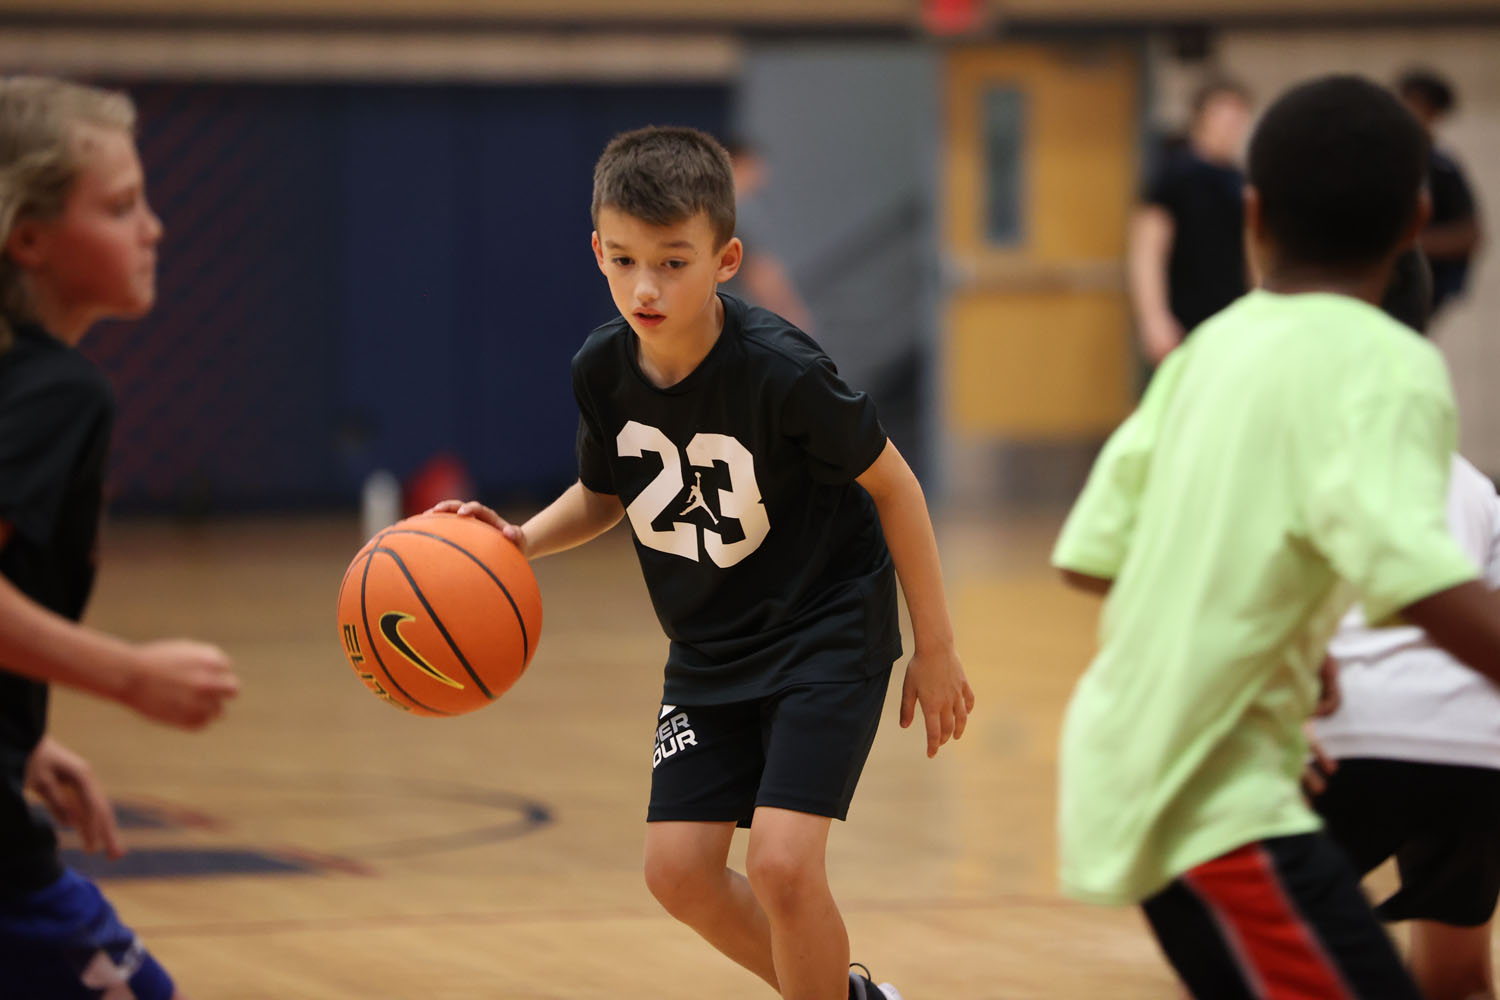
(65,942)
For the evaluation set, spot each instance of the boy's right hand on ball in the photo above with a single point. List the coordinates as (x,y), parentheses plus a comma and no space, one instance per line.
(478,511)
(181,682)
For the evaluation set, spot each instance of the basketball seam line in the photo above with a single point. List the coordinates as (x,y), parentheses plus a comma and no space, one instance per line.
(364,613)
(463,661)
(520,619)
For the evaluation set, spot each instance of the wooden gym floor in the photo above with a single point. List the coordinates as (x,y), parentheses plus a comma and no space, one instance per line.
(345,851)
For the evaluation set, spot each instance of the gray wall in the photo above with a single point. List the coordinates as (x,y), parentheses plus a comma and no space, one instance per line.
(849,133)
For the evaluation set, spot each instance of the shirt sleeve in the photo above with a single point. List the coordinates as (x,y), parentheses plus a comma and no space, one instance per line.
(836,427)
(1452,200)
(43,432)
(1378,504)
(1096,536)
(1162,185)
(593,458)
(1491,567)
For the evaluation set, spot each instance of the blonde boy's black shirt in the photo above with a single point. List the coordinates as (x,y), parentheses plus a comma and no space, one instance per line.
(56,411)
(801,590)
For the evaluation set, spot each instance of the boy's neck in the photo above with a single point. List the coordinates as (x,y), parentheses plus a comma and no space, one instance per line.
(1366,284)
(665,363)
(67,325)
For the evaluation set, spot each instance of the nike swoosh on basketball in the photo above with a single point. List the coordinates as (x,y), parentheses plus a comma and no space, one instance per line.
(390,627)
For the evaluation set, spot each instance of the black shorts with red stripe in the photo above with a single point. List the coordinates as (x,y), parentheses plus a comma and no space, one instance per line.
(1275,920)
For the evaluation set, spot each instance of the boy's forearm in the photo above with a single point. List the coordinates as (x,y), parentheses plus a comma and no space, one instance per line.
(1087,582)
(908,532)
(1151,234)
(1465,621)
(578,516)
(1451,240)
(42,645)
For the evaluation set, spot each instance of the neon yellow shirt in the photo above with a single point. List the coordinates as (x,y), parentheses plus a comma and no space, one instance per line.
(1291,456)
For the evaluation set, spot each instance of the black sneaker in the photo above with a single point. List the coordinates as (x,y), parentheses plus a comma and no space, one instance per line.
(861,987)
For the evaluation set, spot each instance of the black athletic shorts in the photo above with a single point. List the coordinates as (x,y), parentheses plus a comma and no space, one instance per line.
(1440,821)
(801,749)
(1282,917)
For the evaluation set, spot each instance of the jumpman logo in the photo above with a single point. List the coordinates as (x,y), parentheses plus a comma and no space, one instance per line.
(695,498)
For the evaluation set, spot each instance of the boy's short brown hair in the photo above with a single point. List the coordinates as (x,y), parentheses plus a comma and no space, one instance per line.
(663,175)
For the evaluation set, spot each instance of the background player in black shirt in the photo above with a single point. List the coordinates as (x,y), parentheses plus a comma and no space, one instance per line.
(1187,245)
(762,494)
(1452,234)
(762,279)
(77,244)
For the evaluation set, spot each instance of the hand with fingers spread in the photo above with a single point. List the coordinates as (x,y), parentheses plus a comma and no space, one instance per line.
(478,511)
(180,682)
(935,680)
(1320,767)
(1330,695)
(65,782)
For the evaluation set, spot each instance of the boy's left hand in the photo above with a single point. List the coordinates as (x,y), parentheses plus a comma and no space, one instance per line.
(936,681)
(1330,695)
(66,783)
(1318,769)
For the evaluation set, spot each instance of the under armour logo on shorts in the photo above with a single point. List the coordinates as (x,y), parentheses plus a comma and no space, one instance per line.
(674,735)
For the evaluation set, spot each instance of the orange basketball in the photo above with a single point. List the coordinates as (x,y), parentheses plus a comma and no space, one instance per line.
(439,614)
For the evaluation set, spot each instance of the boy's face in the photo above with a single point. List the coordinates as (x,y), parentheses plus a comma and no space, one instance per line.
(663,279)
(1223,125)
(98,257)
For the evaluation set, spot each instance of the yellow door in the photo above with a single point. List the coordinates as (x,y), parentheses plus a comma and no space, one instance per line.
(1039,177)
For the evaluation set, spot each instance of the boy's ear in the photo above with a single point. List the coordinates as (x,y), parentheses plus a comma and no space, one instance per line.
(25,244)
(1254,235)
(1253,222)
(1419,220)
(598,250)
(730,259)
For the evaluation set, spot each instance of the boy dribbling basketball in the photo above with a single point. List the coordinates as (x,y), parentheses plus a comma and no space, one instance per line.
(762,493)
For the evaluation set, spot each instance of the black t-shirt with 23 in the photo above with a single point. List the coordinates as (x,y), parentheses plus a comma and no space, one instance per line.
(1207,268)
(56,411)
(764,559)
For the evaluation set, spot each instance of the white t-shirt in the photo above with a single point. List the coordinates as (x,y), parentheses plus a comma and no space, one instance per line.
(1403,697)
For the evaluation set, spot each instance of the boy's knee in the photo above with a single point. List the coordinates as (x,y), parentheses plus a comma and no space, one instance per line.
(782,879)
(676,882)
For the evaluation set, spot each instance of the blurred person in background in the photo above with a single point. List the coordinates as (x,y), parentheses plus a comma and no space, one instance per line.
(763,279)
(1186,256)
(1407,763)
(1453,235)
